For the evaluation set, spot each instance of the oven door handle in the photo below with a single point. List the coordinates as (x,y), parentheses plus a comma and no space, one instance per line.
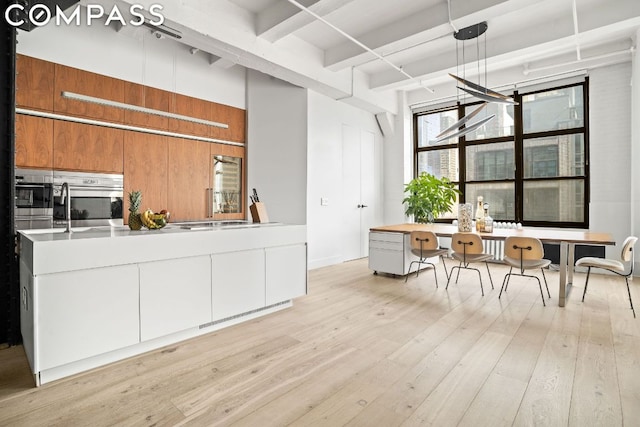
(43,186)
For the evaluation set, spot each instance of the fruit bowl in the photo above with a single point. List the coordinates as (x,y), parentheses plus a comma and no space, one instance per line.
(154,221)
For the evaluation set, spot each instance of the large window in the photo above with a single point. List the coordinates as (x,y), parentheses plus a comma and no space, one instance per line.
(529,163)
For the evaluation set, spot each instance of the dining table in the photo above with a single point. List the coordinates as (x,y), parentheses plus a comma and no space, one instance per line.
(566,238)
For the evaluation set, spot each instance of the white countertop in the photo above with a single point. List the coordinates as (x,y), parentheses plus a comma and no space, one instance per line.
(53,250)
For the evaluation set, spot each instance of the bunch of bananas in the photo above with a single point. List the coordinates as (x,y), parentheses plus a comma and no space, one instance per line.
(153,221)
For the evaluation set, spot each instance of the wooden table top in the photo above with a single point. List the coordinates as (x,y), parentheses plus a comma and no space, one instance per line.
(546,235)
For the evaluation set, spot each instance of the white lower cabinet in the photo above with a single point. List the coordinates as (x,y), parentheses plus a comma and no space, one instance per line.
(238,282)
(85,313)
(174,295)
(286,273)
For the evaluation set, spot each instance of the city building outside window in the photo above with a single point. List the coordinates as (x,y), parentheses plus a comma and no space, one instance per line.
(530,163)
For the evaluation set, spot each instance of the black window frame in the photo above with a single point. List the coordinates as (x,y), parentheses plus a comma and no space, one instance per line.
(518,139)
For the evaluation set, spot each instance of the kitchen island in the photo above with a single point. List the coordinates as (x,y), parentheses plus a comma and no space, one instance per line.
(98,295)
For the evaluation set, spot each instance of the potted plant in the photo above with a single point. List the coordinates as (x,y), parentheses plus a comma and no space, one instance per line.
(429,197)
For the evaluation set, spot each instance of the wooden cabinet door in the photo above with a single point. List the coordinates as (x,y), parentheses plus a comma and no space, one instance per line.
(148,97)
(189,178)
(145,169)
(190,107)
(82,82)
(87,148)
(34,142)
(237,124)
(34,83)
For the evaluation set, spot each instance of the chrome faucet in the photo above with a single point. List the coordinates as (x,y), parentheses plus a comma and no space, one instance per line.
(66,193)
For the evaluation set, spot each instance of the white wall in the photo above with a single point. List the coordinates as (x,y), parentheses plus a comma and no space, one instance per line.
(325,223)
(635,149)
(135,55)
(277,146)
(610,156)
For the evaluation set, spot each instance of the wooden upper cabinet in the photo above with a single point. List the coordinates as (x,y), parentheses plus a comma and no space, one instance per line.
(34,83)
(147,97)
(237,124)
(88,148)
(81,82)
(146,169)
(190,107)
(34,142)
(188,180)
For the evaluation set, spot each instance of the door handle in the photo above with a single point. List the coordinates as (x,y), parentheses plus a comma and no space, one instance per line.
(362,206)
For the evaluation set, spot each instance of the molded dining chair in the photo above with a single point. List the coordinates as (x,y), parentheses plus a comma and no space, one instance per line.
(424,244)
(524,253)
(612,265)
(467,248)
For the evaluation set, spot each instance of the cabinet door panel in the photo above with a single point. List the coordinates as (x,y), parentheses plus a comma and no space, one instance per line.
(82,82)
(86,313)
(189,178)
(286,268)
(174,295)
(34,142)
(238,282)
(34,83)
(145,169)
(148,97)
(190,107)
(87,148)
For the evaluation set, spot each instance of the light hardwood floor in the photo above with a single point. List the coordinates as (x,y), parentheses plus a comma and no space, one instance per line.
(365,350)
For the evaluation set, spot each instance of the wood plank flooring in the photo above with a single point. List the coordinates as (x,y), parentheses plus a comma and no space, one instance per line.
(367,350)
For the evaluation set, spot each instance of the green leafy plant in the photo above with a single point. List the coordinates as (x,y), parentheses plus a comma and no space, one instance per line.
(429,197)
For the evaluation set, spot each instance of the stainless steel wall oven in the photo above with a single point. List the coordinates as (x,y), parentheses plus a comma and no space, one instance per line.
(33,199)
(96,199)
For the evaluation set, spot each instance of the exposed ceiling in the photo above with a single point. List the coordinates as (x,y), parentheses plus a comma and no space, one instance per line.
(525,40)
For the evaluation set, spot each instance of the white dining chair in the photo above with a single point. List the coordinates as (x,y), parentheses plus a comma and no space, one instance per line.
(612,265)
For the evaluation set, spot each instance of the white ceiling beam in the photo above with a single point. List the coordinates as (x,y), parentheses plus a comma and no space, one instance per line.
(555,36)
(284,18)
(219,62)
(428,24)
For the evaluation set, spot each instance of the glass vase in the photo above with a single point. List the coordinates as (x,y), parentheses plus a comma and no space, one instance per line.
(465,216)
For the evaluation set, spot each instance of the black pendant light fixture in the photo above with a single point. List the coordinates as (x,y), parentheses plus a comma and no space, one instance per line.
(474,89)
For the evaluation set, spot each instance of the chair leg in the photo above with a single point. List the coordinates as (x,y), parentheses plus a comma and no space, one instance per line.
(444,266)
(586,283)
(458,275)
(630,301)
(545,282)
(409,272)
(435,274)
(508,278)
(503,282)
(541,293)
(451,274)
(480,276)
(488,272)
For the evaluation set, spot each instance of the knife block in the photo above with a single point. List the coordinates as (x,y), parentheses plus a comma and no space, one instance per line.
(259,212)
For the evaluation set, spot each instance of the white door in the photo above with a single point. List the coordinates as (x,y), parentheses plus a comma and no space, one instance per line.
(358,177)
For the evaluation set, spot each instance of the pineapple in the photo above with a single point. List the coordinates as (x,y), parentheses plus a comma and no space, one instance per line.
(135,199)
